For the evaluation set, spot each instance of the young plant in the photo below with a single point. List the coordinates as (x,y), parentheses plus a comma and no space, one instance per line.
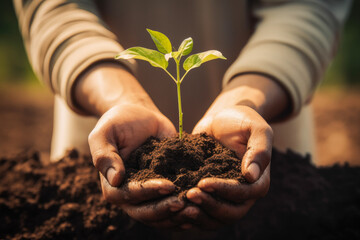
(161,58)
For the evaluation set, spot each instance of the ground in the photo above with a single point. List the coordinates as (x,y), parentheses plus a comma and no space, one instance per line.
(26,122)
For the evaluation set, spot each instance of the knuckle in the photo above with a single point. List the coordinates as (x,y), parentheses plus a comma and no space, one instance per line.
(99,158)
(92,136)
(264,155)
(266,129)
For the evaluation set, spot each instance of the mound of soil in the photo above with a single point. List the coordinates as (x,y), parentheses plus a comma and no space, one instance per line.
(184,162)
(63,200)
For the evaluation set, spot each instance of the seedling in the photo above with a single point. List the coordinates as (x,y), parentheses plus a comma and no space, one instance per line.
(161,58)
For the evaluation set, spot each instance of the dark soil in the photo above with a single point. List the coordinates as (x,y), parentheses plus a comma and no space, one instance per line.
(183,162)
(63,200)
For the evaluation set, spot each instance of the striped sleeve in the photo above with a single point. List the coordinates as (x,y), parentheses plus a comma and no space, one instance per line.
(63,38)
(293,43)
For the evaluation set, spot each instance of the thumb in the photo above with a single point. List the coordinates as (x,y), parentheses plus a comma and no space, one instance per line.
(203,126)
(106,159)
(258,154)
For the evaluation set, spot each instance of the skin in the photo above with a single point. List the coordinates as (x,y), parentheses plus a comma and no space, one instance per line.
(127,118)
(238,118)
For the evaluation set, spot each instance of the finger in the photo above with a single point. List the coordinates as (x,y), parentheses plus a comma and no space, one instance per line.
(186,215)
(258,153)
(166,129)
(155,211)
(136,192)
(180,220)
(106,158)
(234,191)
(203,126)
(222,211)
(195,216)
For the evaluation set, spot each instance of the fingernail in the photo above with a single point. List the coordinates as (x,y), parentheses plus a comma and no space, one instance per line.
(196,200)
(254,171)
(110,174)
(165,191)
(207,189)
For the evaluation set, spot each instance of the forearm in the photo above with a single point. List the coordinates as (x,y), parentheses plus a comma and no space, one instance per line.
(296,51)
(62,39)
(261,93)
(105,85)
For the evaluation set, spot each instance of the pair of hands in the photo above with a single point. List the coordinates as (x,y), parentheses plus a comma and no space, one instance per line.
(128,117)
(125,127)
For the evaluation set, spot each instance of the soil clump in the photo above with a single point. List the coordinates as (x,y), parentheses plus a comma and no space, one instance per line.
(184,162)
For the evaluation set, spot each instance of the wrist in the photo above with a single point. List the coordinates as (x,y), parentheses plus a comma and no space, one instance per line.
(106,85)
(258,92)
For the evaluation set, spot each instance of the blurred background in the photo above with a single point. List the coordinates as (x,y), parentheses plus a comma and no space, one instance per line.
(26,105)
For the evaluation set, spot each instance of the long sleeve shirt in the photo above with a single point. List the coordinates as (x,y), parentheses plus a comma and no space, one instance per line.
(290,41)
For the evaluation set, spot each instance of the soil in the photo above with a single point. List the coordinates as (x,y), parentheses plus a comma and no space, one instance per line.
(41,200)
(184,162)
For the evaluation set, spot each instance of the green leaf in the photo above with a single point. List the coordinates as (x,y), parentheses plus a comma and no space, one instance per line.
(196,60)
(186,46)
(161,41)
(184,49)
(155,58)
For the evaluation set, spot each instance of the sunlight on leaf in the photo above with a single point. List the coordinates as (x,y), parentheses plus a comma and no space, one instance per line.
(155,58)
(161,41)
(196,60)
(175,55)
(186,46)
(168,56)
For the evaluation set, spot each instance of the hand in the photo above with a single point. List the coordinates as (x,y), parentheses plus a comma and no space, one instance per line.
(128,118)
(118,132)
(243,130)
(238,119)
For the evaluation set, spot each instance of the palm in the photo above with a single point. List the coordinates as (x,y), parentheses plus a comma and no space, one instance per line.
(244,131)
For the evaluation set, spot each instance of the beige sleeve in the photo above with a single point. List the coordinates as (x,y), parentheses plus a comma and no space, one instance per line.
(293,43)
(62,38)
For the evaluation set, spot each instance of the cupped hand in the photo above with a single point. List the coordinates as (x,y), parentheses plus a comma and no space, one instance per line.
(118,132)
(244,131)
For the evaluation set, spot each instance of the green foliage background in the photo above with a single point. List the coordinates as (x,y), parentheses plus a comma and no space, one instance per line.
(15,68)
(14,65)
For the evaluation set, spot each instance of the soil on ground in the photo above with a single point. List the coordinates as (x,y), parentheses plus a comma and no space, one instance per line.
(63,200)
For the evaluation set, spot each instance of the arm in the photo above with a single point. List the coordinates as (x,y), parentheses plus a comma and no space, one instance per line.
(293,43)
(274,76)
(72,51)
(62,39)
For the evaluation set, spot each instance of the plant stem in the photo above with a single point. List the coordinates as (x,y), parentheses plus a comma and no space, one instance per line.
(178,83)
(170,75)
